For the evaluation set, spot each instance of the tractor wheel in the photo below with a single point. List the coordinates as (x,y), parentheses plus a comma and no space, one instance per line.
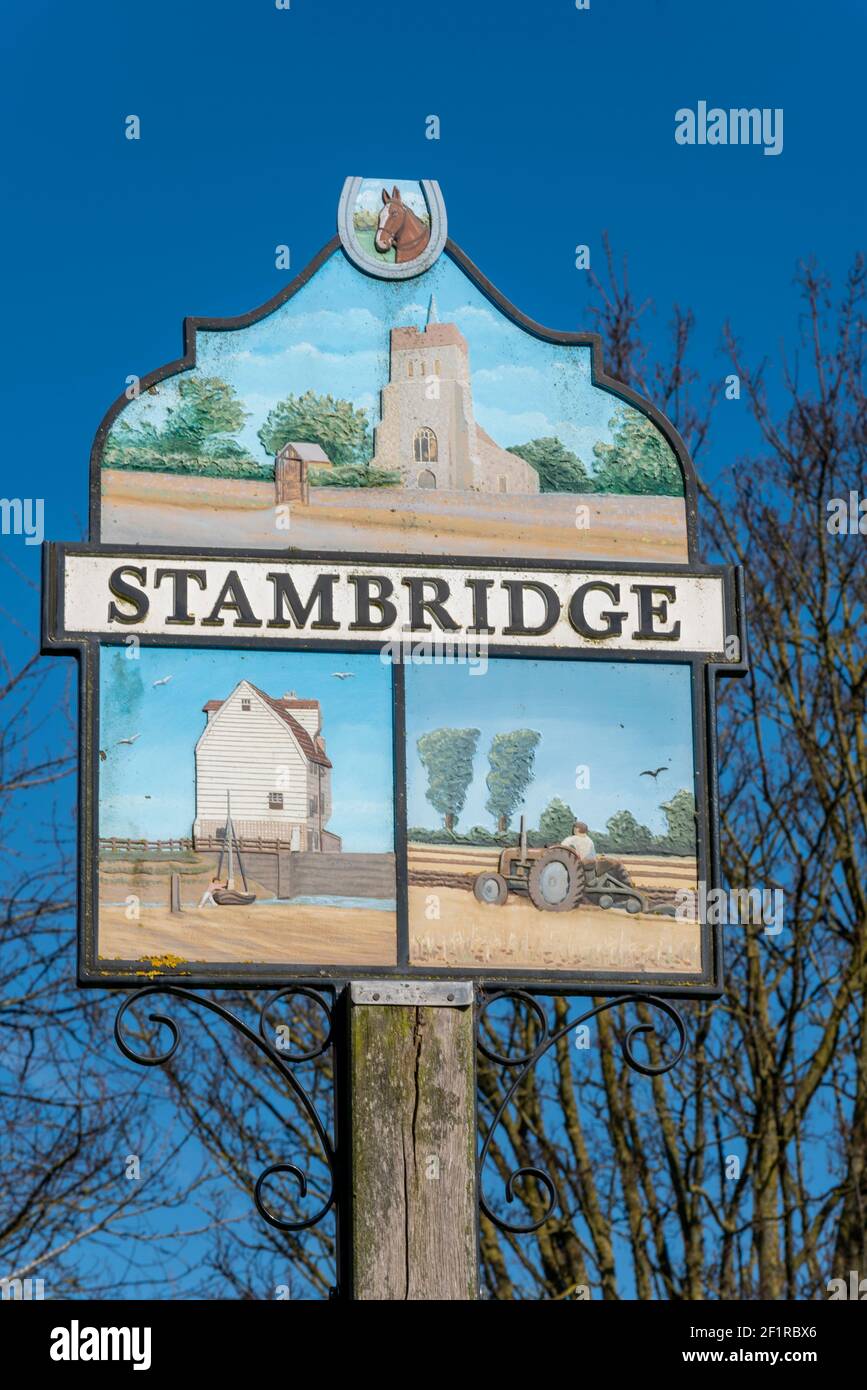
(633,905)
(556,881)
(606,900)
(491,888)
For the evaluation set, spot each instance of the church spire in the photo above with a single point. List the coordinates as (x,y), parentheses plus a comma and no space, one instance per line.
(432,313)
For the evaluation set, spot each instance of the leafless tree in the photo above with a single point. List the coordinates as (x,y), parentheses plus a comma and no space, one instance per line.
(70,1116)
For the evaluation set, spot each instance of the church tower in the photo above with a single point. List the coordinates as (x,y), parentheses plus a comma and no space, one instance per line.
(428,431)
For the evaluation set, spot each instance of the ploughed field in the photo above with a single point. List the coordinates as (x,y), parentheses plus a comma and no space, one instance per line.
(449,927)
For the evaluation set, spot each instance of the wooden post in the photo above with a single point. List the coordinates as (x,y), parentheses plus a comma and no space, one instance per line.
(414,1215)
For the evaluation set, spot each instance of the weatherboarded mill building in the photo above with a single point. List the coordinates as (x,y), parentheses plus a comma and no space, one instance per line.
(269,753)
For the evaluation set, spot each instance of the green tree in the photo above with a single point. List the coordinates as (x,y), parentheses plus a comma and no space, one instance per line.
(639,461)
(680,815)
(207,414)
(336,426)
(511,758)
(447,757)
(559,469)
(557,820)
(627,835)
(195,437)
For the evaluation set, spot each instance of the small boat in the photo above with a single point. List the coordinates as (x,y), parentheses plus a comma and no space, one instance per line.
(230,896)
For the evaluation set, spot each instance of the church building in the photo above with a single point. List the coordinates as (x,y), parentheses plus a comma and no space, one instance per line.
(428,431)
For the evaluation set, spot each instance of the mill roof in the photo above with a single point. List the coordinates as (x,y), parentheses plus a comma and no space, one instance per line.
(282,707)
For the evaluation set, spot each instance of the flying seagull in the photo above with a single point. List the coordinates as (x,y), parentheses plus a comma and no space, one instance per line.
(343,675)
(131,739)
(654,775)
(164,680)
(102,755)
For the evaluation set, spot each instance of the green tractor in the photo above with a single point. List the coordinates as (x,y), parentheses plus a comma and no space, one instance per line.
(556,880)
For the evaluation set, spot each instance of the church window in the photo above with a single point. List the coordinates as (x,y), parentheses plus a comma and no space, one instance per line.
(436,367)
(424,445)
(409,368)
(503,483)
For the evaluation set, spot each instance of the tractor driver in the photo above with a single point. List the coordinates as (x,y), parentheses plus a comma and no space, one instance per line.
(582,845)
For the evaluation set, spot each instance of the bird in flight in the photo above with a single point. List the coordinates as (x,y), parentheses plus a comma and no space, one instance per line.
(164,680)
(343,675)
(647,772)
(102,755)
(131,739)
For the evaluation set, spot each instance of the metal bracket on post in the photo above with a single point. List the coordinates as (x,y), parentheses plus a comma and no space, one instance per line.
(429,994)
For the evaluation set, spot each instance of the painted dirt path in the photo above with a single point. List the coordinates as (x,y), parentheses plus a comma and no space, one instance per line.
(189,512)
(279,933)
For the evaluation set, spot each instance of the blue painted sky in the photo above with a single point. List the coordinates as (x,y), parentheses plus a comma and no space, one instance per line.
(578,708)
(333,338)
(160,765)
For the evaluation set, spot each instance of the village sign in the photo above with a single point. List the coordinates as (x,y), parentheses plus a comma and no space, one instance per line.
(397,654)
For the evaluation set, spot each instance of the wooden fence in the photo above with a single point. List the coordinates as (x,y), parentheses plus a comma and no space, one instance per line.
(118,844)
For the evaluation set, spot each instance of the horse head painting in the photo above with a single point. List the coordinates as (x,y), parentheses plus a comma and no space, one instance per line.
(399,227)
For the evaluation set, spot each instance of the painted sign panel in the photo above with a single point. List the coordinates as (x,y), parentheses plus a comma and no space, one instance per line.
(557,741)
(398,656)
(366,415)
(280,759)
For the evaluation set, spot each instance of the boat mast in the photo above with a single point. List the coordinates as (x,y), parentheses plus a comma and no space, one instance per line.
(230,833)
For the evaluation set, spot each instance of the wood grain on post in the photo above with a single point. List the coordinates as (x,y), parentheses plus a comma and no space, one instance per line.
(414,1213)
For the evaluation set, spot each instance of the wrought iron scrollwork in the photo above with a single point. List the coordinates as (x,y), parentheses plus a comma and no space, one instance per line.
(525,1062)
(282,1059)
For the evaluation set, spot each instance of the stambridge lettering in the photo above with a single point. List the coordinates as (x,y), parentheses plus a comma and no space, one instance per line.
(596,608)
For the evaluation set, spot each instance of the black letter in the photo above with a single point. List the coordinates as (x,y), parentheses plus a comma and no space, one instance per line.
(648,610)
(613,621)
(140,601)
(480,604)
(365,600)
(517,627)
(232,595)
(322,593)
(180,578)
(419,605)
